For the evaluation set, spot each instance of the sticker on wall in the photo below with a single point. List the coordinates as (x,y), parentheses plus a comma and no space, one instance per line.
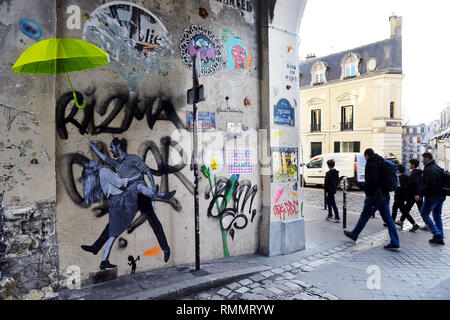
(30,28)
(291,73)
(283,113)
(200,39)
(239,55)
(213,158)
(284,164)
(235,130)
(135,39)
(240,161)
(206,121)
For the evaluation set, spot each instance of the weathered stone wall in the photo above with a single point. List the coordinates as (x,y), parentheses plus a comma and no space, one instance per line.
(28,252)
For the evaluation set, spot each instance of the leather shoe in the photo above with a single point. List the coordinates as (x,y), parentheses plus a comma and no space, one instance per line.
(392,246)
(90,249)
(436,240)
(349,235)
(105,264)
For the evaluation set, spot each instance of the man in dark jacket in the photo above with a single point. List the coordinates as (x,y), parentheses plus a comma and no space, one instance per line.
(434,198)
(400,196)
(377,198)
(331,183)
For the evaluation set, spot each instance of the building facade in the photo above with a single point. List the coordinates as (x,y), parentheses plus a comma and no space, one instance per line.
(352,100)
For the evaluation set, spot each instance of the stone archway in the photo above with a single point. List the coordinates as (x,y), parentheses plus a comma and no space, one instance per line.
(282,229)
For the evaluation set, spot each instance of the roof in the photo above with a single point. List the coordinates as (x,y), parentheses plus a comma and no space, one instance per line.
(443,135)
(388,54)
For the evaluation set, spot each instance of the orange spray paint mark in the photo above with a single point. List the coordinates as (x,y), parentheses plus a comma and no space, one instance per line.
(294,194)
(152,251)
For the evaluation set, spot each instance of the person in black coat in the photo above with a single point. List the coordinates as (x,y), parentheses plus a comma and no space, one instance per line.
(330,186)
(377,198)
(414,195)
(434,198)
(400,196)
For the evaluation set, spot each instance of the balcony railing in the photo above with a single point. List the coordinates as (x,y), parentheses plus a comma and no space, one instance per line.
(346,125)
(315,127)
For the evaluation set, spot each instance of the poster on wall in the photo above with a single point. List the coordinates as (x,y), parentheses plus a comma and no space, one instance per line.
(206,121)
(200,39)
(284,164)
(238,53)
(240,161)
(135,39)
(284,113)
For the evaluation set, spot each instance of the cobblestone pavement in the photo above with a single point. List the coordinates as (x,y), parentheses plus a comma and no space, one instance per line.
(355,201)
(283,283)
(418,271)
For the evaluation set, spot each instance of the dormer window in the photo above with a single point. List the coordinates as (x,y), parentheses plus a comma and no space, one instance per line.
(318,73)
(349,66)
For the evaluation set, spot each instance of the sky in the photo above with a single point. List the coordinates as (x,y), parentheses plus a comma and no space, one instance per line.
(330,26)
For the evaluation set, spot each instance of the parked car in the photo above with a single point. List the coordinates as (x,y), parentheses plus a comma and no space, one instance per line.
(349,164)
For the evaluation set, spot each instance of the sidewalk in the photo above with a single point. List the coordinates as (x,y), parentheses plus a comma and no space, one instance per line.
(331,267)
(177,282)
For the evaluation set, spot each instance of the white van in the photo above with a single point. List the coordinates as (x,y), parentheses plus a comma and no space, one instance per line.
(349,164)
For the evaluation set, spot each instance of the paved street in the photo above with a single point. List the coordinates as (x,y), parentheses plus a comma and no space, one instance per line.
(418,271)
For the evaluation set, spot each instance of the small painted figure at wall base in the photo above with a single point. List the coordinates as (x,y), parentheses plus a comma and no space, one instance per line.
(132,263)
(128,165)
(122,195)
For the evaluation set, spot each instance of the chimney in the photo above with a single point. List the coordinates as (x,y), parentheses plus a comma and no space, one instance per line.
(396,25)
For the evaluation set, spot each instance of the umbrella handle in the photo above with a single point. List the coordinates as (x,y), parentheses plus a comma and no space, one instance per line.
(75,96)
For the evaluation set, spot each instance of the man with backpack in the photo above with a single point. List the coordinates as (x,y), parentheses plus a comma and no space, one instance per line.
(380,179)
(434,197)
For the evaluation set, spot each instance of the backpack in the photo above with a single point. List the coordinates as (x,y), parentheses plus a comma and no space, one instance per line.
(389,179)
(446,182)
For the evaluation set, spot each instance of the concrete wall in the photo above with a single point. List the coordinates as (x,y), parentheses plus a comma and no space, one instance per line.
(162,76)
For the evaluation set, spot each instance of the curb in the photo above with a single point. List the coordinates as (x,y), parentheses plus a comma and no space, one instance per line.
(187,287)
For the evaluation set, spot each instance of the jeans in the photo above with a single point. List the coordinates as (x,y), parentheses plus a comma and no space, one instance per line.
(379,202)
(331,202)
(433,204)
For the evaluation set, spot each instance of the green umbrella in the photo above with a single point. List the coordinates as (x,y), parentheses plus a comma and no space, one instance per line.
(61,55)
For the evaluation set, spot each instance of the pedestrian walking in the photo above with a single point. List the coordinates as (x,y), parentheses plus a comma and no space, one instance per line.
(414,191)
(380,179)
(400,197)
(330,186)
(434,197)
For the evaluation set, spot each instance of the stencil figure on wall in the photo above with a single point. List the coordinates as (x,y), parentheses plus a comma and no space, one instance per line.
(200,39)
(123,205)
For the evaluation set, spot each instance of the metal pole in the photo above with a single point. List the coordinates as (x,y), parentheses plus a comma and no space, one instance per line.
(344,209)
(196,181)
(196,197)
